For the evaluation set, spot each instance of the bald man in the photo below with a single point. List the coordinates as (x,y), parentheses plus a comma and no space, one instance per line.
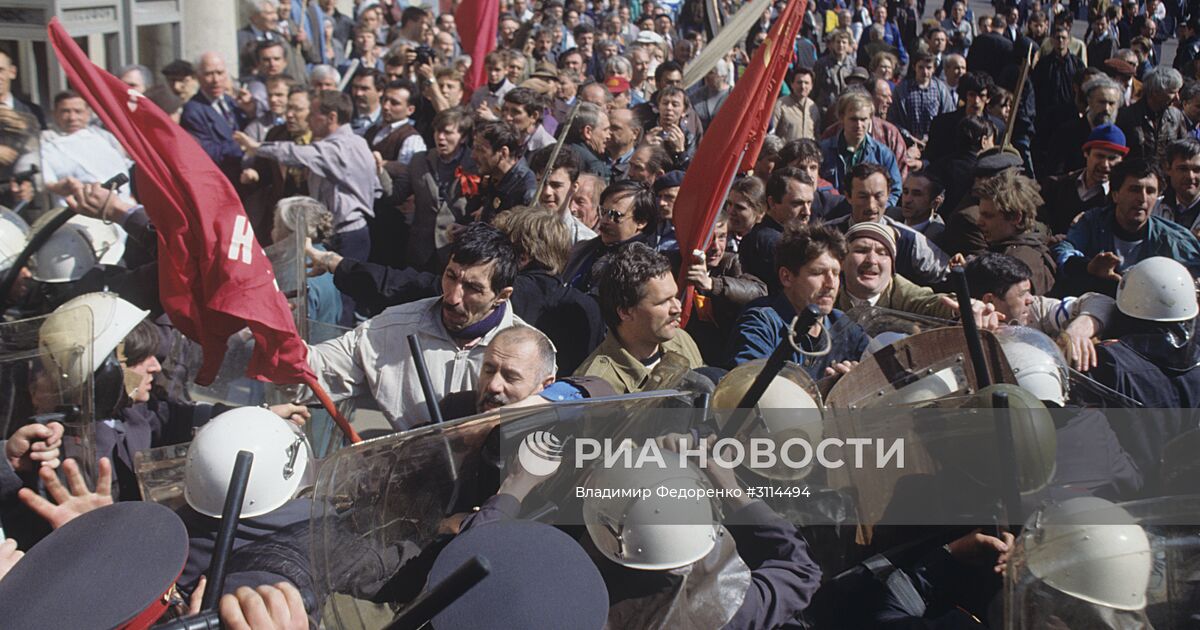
(212,115)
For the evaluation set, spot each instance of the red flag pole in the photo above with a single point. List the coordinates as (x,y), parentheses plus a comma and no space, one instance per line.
(327,403)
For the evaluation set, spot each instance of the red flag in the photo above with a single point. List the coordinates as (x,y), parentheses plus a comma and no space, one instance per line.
(214,278)
(478,23)
(734,132)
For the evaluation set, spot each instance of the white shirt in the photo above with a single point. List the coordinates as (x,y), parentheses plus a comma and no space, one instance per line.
(412,145)
(89,155)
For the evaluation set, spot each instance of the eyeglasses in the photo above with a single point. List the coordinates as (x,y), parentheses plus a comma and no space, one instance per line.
(613,215)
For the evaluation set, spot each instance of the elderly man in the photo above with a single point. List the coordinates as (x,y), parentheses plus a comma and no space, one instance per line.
(212,116)
(869,278)
(1154,122)
(808,264)
(588,138)
(1103,96)
(455,330)
(1181,203)
(640,306)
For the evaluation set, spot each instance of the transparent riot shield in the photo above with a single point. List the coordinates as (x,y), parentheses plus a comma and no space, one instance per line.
(46,376)
(1089,563)
(289,262)
(380,507)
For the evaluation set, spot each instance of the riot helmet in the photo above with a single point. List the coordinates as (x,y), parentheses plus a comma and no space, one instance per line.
(281,458)
(636,526)
(1157,289)
(1037,363)
(98,322)
(13,233)
(65,257)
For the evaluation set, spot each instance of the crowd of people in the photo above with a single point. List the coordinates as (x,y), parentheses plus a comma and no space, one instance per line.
(525,232)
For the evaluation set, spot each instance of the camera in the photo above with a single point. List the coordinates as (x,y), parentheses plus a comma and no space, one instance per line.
(425,55)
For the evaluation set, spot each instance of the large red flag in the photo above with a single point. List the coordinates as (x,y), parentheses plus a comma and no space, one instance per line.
(214,278)
(735,132)
(478,23)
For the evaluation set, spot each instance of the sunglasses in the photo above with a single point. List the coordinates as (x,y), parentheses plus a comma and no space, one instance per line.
(613,215)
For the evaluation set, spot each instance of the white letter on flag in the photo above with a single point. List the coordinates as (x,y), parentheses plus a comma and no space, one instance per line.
(243,239)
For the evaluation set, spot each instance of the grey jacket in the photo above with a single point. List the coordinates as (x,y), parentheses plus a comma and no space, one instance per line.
(341,174)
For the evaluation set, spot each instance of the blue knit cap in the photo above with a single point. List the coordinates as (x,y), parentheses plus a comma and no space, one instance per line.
(1108,137)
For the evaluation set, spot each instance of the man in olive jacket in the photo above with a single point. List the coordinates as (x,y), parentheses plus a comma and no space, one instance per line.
(640,307)
(869,277)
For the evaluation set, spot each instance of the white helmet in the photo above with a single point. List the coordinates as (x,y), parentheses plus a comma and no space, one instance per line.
(13,234)
(99,321)
(281,458)
(787,410)
(932,386)
(65,257)
(1158,289)
(107,239)
(1036,362)
(1092,550)
(636,527)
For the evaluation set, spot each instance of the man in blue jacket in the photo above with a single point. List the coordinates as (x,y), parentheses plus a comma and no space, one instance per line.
(808,261)
(854,146)
(212,116)
(1107,241)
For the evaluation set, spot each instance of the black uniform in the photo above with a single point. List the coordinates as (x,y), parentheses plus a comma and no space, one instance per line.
(1145,366)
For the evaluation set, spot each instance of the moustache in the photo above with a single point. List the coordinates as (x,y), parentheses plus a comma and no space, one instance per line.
(493,399)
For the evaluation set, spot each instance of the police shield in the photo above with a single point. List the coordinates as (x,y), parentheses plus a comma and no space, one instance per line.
(383,508)
(1090,563)
(289,263)
(923,366)
(46,376)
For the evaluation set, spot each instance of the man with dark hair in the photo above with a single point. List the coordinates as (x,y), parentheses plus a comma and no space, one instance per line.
(1052,81)
(973,89)
(507,181)
(588,138)
(628,212)
(1005,283)
(366,88)
(394,138)
(808,263)
(921,97)
(341,173)
(1105,242)
(647,163)
(1181,203)
(923,195)
(437,181)
(916,258)
(789,199)
(455,330)
(973,136)
(805,154)
(560,186)
(640,306)
(522,108)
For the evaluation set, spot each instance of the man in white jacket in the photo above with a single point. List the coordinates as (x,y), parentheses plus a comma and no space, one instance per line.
(454,329)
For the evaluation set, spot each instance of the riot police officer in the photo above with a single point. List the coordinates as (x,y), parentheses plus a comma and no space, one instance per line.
(1154,357)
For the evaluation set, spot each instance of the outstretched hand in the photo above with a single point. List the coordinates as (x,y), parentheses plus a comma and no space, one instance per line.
(73,500)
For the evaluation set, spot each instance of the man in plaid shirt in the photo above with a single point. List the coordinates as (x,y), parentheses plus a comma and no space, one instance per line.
(921,98)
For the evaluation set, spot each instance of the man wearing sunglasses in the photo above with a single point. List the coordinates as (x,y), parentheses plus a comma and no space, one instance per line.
(628,212)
